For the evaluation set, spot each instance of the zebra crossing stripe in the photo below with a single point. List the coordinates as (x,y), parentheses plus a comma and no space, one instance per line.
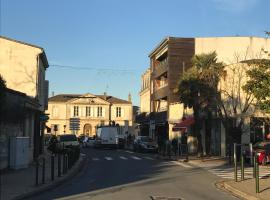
(123,158)
(229,173)
(95,159)
(108,158)
(129,151)
(148,158)
(135,157)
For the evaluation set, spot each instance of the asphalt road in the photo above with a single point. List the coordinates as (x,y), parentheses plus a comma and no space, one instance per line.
(121,175)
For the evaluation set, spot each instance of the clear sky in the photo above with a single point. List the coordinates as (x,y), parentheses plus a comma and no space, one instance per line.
(107,42)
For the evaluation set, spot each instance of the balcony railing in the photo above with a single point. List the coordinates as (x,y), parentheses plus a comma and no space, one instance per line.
(160,93)
(160,68)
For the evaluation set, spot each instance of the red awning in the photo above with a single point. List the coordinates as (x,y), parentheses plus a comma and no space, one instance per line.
(183,125)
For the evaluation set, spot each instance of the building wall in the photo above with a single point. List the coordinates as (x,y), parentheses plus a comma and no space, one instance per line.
(61,112)
(229,49)
(145,101)
(22,69)
(145,92)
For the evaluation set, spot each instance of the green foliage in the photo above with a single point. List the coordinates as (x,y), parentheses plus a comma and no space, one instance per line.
(259,83)
(198,85)
(2,88)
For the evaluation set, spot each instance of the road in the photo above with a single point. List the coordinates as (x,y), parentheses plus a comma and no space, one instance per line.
(121,175)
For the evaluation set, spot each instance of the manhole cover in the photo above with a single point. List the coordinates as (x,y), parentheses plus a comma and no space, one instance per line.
(164,198)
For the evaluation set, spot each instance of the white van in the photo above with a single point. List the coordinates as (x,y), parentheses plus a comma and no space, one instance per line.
(108,136)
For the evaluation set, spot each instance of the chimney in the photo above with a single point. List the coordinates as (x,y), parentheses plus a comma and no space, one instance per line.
(105,95)
(129,97)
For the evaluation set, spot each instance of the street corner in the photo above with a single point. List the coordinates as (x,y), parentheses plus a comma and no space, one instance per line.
(235,189)
(78,167)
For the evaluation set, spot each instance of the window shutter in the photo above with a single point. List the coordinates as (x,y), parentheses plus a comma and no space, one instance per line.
(80,111)
(71,111)
(103,111)
(83,111)
(122,112)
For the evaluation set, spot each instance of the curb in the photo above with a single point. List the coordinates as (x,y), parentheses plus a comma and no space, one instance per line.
(227,188)
(74,170)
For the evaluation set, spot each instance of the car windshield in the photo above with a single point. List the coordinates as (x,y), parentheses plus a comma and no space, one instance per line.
(146,139)
(65,138)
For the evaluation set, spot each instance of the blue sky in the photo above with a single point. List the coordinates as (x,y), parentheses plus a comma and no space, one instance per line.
(114,37)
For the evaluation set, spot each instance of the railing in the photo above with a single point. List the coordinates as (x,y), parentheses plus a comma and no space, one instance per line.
(161,68)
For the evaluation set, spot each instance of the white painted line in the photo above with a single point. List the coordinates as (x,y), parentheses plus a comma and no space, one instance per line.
(123,157)
(135,157)
(108,158)
(129,151)
(95,159)
(181,164)
(148,158)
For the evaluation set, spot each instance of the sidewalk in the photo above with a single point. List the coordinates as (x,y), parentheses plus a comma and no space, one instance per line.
(246,189)
(18,184)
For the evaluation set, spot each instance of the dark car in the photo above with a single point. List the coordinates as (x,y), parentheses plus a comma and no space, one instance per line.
(144,144)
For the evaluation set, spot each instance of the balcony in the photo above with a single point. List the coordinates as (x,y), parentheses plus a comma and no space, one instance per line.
(160,68)
(159,117)
(160,93)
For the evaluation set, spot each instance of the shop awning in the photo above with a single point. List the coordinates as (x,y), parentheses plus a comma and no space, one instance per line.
(184,124)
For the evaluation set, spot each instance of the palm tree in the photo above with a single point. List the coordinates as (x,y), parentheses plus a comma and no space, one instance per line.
(198,89)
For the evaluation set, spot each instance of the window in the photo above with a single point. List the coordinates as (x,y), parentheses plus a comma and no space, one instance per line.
(118,111)
(99,111)
(76,111)
(88,111)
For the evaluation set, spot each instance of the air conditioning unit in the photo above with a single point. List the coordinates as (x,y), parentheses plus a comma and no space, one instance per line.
(19,152)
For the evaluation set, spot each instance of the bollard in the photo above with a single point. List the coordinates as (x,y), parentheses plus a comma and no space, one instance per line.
(52,167)
(242,168)
(64,170)
(186,152)
(254,165)
(251,154)
(257,177)
(59,165)
(43,170)
(235,162)
(37,172)
(66,162)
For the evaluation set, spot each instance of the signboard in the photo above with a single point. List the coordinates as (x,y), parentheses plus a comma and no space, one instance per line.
(74,124)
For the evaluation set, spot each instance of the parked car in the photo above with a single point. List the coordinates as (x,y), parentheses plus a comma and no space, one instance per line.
(67,140)
(108,136)
(263,151)
(144,144)
(89,141)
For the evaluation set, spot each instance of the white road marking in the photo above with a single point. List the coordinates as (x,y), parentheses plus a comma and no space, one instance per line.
(148,158)
(95,159)
(181,164)
(129,151)
(123,157)
(108,158)
(135,158)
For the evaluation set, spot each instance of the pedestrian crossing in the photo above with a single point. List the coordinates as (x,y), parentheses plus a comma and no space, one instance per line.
(130,157)
(228,173)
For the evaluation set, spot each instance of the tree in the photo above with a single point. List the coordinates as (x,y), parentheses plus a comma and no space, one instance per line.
(198,89)
(234,104)
(258,84)
(2,94)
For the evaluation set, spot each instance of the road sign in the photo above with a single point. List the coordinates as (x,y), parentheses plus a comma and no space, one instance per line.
(74,124)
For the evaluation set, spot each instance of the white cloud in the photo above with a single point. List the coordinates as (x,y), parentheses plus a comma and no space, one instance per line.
(234,5)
